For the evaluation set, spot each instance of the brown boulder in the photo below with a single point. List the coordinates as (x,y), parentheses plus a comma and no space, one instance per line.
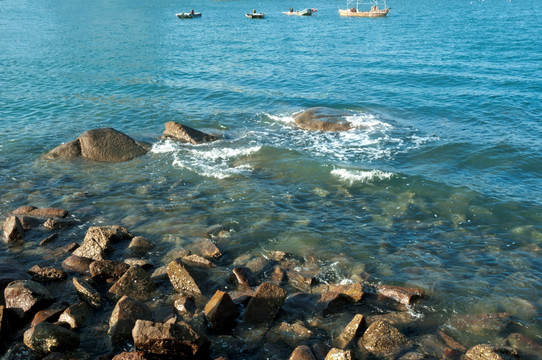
(98,240)
(186,134)
(331,303)
(242,277)
(13,230)
(46,273)
(76,264)
(301,281)
(322,119)
(491,352)
(132,355)
(354,328)
(351,292)
(107,269)
(41,212)
(383,340)
(125,314)
(47,338)
(139,246)
(170,339)
(339,354)
(135,283)
(207,248)
(104,144)
(181,279)
(51,314)
(400,294)
(25,297)
(221,312)
(302,352)
(527,347)
(75,315)
(87,292)
(265,304)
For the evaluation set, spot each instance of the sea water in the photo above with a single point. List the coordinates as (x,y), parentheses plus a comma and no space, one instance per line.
(438,185)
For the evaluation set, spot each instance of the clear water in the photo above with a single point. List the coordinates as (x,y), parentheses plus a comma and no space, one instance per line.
(439,186)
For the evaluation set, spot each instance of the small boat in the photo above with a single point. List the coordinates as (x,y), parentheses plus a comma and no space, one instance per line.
(188,15)
(378,8)
(304,12)
(255,15)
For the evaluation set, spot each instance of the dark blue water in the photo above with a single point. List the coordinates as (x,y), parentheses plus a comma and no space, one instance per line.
(439,186)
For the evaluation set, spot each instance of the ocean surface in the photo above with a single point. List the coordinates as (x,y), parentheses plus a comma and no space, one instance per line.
(438,186)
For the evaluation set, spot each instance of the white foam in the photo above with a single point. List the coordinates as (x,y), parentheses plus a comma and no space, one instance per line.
(287,119)
(352,176)
(214,154)
(165,146)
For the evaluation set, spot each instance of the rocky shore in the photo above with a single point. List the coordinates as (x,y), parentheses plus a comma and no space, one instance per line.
(106,297)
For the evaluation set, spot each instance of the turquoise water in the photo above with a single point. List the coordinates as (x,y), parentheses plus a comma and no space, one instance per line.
(439,186)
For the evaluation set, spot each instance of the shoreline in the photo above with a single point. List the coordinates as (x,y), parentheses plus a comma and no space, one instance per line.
(227,301)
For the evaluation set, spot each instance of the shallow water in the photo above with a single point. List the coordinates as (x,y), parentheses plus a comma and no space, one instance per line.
(438,185)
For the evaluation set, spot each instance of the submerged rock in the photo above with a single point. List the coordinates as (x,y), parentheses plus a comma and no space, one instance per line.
(125,314)
(46,338)
(186,134)
(491,352)
(322,119)
(265,303)
(104,144)
(400,294)
(98,241)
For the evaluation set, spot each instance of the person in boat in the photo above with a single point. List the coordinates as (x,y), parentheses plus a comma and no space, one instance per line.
(353,9)
(254,11)
(291,10)
(374,8)
(192,12)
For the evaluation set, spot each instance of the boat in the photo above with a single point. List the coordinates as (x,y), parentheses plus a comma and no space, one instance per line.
(255,15)
(374,8)
(304,12)
(188,15)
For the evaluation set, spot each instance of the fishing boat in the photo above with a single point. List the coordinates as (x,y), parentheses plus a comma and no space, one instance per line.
(255,15)
(304,12)
(188,15)
(373,8)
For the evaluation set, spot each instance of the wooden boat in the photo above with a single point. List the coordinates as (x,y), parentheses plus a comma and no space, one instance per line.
(255,15)
(188,15)
(304,12)
(378,8)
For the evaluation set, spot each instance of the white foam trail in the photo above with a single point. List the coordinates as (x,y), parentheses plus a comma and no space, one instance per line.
(166,146)
(287,119)
(352,176)
(223,153)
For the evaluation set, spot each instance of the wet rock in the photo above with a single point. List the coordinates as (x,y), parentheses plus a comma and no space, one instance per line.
(383,340)
(104,144)
(51,314)
(451,342)
(185,305)
(451,354)
(354,328)
(87,293)
(75,315)
(527,348)
(98,240)
(102,270)
(278,276)
(20,351)
(25,297)
(13,231)
(491,352)
(181,278)
(160,274)
(291,334)
(170,339)
(400,294)
(144,263)
(197,260)
(186,134)
(2,307)
(46,273)
(301,281)
(352,292)
(300,305)
(302,352)
(72,355)
(140,245)
(206,248)
(482,323)
(30,222)
(431,345)
(77,264)
(57,224)
(125,314)
(413,355)
(132,355)
(135,283)
(221,312)
(46,338)
(319,350)
(42,212)
(48,239)
(339,354)
(265,303)
(242,276)
(322,119)
(331,303)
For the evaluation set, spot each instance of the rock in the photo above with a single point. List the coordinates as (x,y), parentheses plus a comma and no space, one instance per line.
(351,292)
(185,305)
(20,351)
(302,352)
(2,329)
(481,323)
(48,239)
(107,269)
(451,342)
(186,134)
(135,283)
(46,338)
(242,276)
(400,294)
(331,303)
(265,303)
(104,144)
(75,315)
(25,297)
(221,312)
(132,355)
(170,339)
(125,314)
(527,348)
(57,224)
(383,340)
(354,328)
(144,263)
(300,281)
(30,222)
(46,273)
(339,354)
(72,355)
(43,212)
(278,276)
(98,239)
(206,248)
(322,119)
(87,292)
(140,245)
(491,352)
(13,231)
(181,279)
(77,264)
(51,314)
(197,260)
(291,334)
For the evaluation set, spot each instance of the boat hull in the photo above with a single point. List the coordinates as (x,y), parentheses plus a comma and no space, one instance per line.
(377,13)
(188,15)
(306,12)
(255,16)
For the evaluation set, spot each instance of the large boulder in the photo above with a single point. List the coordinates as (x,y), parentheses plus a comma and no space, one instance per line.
(186,134)
(104,144)
(13,230)
(265,303)
(46,338)
(491,352)
(181,278)
(135,283)
(98,241)
(25,297)
(383,340)
(221,312)
(322,119)
(125,314)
